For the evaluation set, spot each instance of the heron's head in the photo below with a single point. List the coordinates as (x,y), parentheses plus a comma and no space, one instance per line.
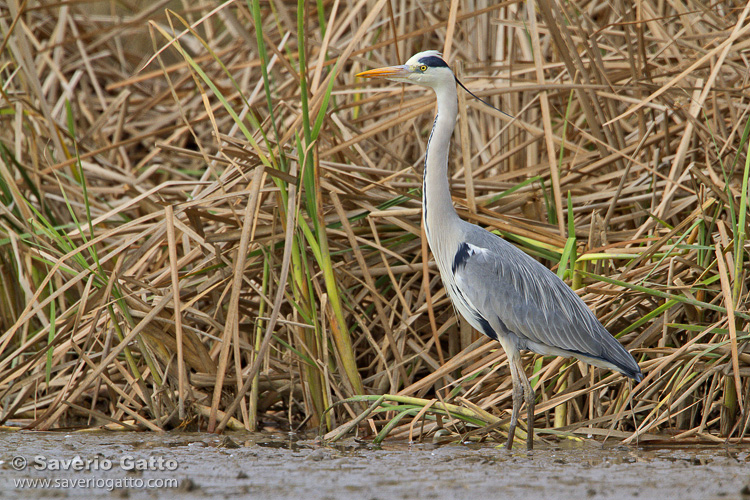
(425,68)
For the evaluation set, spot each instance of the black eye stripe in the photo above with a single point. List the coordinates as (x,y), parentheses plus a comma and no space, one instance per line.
(433,62)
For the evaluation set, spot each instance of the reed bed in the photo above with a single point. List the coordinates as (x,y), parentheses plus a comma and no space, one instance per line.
(207,221)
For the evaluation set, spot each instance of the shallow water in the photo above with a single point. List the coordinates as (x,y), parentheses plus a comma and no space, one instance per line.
(258,466)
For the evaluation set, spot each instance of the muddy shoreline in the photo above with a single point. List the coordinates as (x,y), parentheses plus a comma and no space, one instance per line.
(259,466)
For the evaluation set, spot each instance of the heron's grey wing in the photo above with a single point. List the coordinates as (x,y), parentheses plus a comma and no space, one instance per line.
(522,298)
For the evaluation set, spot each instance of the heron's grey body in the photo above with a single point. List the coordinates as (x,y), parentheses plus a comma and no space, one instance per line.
(497,288)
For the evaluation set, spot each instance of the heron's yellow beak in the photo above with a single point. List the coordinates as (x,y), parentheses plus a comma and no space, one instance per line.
(387,72)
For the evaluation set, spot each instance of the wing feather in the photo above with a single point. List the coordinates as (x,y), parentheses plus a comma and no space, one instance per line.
(522,298)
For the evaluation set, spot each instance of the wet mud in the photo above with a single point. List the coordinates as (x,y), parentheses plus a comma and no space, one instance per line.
(257,466)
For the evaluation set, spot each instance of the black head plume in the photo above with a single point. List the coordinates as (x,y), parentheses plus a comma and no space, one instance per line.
(480,99)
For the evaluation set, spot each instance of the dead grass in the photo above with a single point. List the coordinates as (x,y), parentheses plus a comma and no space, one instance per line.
(147,152)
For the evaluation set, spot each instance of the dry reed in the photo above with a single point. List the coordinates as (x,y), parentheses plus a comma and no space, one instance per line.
(155,161)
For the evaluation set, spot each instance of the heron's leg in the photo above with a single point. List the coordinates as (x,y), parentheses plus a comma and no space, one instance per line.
(517,402)
(530,397)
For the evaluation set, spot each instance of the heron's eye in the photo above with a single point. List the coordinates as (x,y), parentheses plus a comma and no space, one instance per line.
(423,68)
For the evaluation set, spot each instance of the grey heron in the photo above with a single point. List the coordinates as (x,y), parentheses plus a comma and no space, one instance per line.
(500,290)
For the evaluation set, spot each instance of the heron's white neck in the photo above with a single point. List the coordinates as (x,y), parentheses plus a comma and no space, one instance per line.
(437,207)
